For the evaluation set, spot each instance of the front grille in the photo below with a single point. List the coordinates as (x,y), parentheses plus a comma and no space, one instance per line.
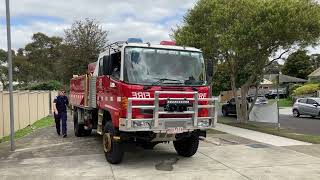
(173,124)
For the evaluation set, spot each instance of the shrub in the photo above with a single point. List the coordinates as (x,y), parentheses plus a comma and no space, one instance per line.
(306,89)
(50,85)
(293,87)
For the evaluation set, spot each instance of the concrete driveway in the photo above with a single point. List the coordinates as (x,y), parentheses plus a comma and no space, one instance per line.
(44,155)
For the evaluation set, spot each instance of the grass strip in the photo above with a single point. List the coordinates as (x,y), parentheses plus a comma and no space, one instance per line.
(41,123)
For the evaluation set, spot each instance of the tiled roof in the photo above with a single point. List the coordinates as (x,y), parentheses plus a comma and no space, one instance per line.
(284,78)
(315,73)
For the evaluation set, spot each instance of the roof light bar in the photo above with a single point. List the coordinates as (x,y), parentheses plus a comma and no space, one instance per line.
(134,40)
(168,43)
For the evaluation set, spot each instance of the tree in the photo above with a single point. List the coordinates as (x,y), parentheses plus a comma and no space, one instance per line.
(43,53)
(23,70)
(3,68)
(221,81)
(245,33)
(83,43)
(298,64)
(315,61)
(20,52)
(20,68)
(273,68)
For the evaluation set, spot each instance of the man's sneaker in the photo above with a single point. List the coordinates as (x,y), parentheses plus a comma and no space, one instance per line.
(58,133)
(64,136)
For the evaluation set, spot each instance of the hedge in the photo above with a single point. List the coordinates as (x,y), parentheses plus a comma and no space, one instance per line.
(50,85)
(306,89)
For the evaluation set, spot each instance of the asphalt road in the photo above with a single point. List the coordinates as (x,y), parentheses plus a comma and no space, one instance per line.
(303,124)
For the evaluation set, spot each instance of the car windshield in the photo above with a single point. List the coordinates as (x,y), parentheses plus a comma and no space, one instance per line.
(317,100)
(261,98)
(150,66)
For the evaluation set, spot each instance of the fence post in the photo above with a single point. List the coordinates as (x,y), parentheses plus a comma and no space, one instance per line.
(2,133)
(18,114)
(29,107)
(37,104)
(44,109)
(50,104)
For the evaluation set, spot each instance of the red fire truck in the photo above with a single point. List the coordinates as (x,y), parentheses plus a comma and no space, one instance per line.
(144,94)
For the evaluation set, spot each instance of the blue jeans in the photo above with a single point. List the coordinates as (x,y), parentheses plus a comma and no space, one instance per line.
(62,116)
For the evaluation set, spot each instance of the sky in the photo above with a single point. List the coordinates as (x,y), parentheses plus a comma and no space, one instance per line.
(150,20)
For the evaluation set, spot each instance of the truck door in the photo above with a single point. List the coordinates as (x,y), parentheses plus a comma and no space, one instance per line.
(113,88)
(115,84)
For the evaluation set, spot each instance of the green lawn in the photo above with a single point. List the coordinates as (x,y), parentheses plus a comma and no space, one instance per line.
(285,103)
(271,129)
(44,122)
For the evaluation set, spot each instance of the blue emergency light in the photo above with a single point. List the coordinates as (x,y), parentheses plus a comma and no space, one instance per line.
(134,40)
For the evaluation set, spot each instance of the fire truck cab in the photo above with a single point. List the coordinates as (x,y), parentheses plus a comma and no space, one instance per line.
(144,94)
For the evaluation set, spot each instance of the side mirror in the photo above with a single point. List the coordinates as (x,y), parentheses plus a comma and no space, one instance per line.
(107,65)
(315,105)
(209,68)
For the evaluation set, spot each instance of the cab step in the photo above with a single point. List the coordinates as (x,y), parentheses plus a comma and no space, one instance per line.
(100,120)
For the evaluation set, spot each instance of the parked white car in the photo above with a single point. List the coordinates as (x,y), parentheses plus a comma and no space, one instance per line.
(261,100)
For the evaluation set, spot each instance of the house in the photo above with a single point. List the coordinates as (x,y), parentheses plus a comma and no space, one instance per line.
(284,79)
(266,84)
(264,88)
(315,75)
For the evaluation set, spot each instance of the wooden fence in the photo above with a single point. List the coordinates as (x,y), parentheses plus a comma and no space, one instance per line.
(29,106)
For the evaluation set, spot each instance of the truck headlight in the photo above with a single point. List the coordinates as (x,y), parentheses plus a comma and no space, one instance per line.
(204,123)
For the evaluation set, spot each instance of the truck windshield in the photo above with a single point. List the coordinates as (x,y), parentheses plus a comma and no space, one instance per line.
(149,66)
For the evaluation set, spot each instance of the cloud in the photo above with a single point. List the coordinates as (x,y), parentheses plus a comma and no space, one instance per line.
(21,35)
(150,20)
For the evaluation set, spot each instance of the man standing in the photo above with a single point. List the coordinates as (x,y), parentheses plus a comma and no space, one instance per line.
(60,112)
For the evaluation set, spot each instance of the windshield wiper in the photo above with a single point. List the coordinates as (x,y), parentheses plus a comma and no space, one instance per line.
(161,80)
(193,82)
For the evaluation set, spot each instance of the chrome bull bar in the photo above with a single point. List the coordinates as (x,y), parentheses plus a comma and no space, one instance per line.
(157,124)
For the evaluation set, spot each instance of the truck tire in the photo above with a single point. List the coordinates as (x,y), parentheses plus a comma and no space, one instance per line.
(76,127)
(79,130)
(113,149)
(188,146)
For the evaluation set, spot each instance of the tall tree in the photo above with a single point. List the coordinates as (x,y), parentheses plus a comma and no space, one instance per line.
(44,53)
(245,33)
(20,52)
(21,68)
(315,61)
(273,68)
(3,68)
(83,43)
(221,80)
(298,64)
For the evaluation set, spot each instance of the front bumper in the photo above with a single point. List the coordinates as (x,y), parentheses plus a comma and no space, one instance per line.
(163,125)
